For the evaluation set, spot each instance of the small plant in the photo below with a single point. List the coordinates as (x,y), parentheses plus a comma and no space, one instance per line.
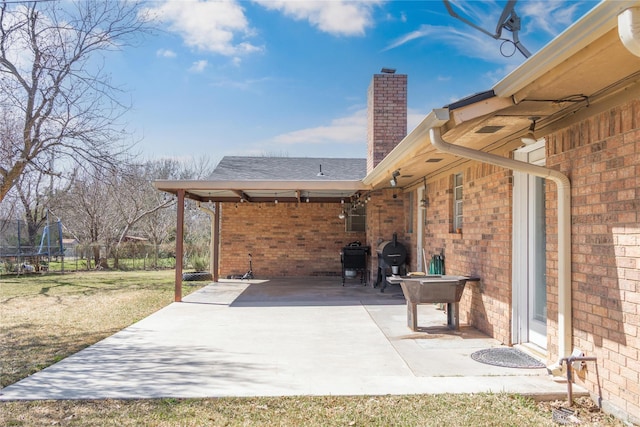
(199,263)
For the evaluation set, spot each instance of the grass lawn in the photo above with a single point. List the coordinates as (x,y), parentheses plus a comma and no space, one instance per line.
(44,318)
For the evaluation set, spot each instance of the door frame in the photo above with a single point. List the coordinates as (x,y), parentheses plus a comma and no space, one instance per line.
(421,209)
(521,224)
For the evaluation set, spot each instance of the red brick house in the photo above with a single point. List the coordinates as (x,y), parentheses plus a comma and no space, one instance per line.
(532,185)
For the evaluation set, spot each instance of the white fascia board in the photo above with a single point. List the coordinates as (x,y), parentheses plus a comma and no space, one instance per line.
(171,185)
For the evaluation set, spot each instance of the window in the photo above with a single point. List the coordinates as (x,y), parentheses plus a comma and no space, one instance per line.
(457,202)
(357,218)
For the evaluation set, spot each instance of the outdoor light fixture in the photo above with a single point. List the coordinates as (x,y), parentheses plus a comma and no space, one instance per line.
(394,178)
(530,137)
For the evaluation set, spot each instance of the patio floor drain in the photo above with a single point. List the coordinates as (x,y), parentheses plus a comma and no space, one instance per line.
(507,357)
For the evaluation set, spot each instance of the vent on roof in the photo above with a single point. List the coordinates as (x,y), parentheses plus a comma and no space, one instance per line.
(433,160)
(489,129)
(321,173)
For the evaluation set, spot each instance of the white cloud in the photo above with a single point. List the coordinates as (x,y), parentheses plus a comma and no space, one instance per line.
(467,42)
(209,26)
(550,17)
(165,53)
(336,17)
(199,66)
(351,129)
(422,32)
(346,130)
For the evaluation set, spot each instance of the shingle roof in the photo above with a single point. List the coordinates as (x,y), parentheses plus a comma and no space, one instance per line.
(237,168)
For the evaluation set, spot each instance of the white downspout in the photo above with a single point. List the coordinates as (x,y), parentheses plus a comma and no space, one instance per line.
(564,224)
(629,29)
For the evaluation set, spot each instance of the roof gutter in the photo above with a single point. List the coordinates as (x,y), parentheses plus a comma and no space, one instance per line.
(564,220)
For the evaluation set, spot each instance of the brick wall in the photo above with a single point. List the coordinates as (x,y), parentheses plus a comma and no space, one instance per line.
(483,248)
(601,155)
(385,216)
(387,116)
(285,239)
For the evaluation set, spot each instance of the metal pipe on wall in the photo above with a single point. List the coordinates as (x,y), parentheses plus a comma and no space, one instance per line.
(564,222)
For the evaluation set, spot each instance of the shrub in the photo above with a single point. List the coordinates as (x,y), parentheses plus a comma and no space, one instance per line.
(199,263)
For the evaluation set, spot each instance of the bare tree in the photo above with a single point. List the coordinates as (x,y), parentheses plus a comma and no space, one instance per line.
(133,198)
(55,98)
(85,210)
(34,191)
(104,207)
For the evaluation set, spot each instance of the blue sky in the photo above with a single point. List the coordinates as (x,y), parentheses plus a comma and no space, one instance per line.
(290,77)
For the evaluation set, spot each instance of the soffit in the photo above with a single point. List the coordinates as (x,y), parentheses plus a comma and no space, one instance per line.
(599,71)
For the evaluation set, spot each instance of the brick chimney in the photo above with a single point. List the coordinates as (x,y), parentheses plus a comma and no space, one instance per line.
(386,115)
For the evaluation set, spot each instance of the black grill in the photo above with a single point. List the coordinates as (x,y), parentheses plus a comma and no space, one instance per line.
(354,258)
(392,255)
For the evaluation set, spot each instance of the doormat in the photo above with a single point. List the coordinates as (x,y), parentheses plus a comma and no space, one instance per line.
(507,357)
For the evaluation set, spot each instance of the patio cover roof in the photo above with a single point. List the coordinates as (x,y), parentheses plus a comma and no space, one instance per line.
(286,179)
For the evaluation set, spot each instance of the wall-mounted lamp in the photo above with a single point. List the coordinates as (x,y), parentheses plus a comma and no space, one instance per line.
(394,178)
(530,137)
(341,215)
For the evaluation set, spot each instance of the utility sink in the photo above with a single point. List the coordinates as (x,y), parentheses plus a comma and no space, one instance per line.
(426,289)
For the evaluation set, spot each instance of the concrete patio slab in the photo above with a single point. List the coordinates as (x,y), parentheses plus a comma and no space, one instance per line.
(283,337)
